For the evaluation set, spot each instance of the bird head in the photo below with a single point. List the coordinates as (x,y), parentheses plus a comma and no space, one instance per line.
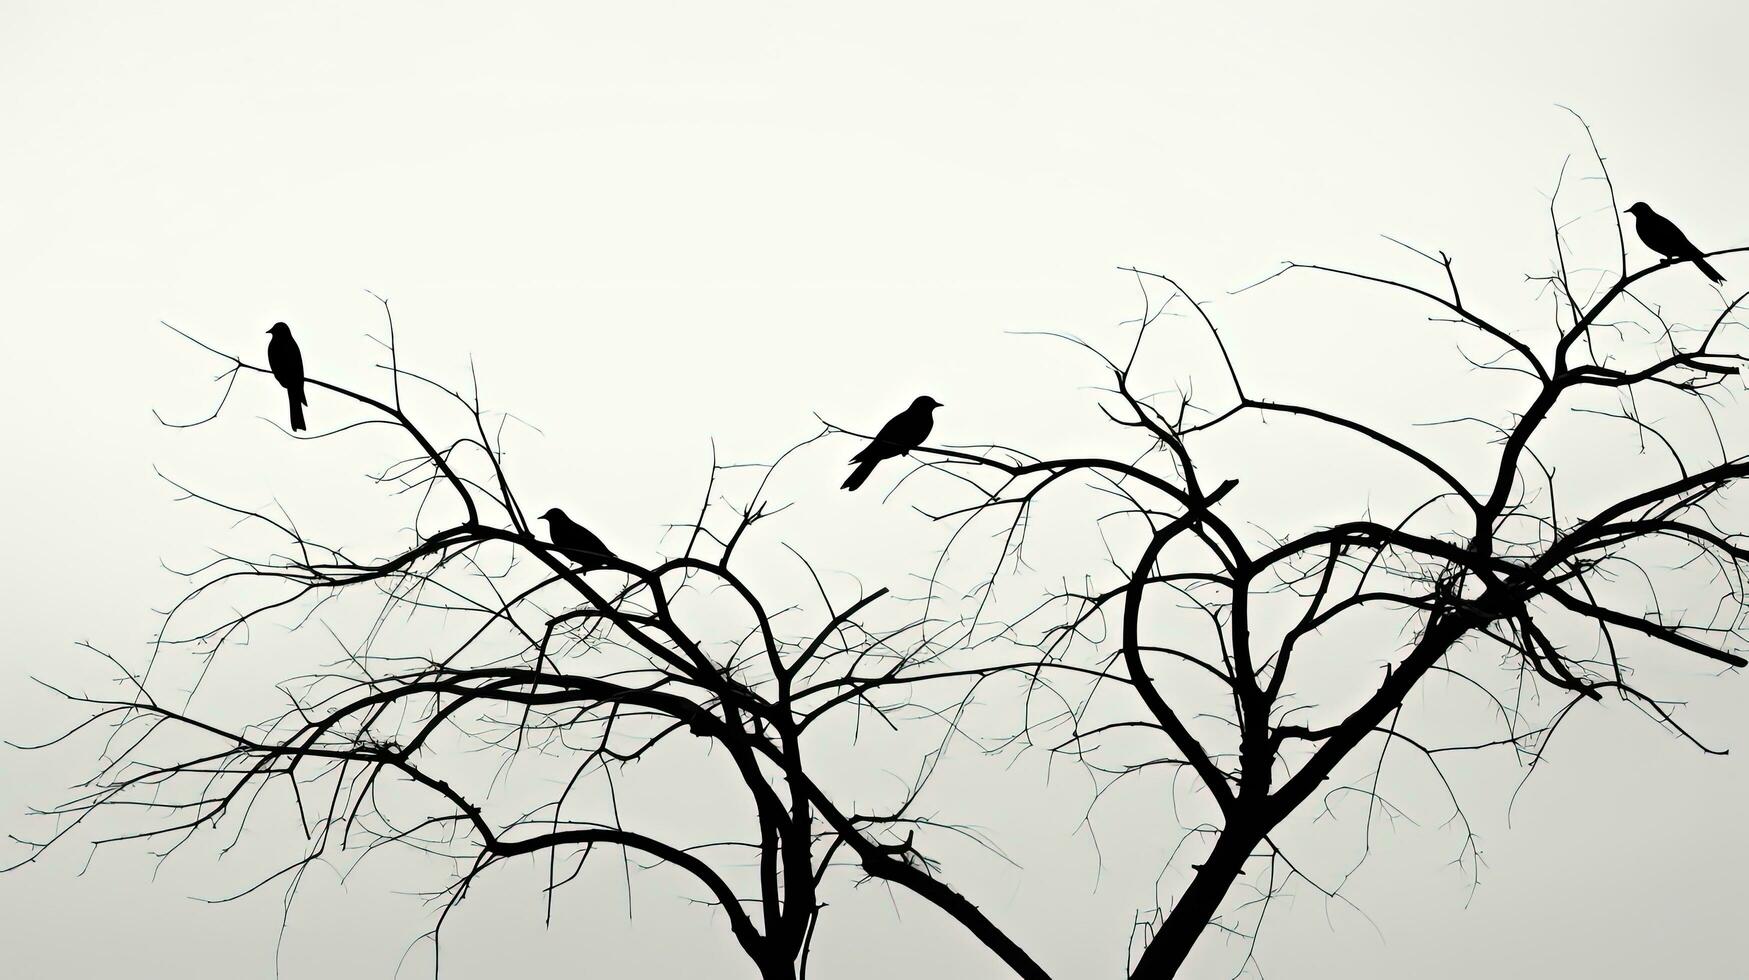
(1640,209)
(279,329)
(924,403)
(553,514)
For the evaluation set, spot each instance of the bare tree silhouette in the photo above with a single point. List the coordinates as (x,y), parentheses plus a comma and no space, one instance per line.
(1214,617)
(1184,659)
(579,674)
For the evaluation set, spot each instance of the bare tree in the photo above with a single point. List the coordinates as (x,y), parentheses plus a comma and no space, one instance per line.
(581,677)
(1199,632)
(1184,659)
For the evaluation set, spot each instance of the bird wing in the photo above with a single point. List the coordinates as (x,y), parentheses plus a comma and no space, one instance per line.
(574,537)
(286,361)
(589,543)
(1671,240)
(899,435)
(1683,248)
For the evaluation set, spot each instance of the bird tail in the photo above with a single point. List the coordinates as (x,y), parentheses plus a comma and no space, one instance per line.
(1711,273)
(858,475)
(298,401)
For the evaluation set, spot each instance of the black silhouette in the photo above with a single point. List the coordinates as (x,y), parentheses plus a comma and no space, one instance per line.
(287,363)
(902,433)
(687,645)
(1528,580)
(577,542)
(1662,236)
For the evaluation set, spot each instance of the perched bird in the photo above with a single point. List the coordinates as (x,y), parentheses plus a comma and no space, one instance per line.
(576,541)
(1663,237)
(287,363)
(902,433)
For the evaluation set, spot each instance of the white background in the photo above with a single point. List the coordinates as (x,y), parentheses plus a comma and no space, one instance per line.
(657,225)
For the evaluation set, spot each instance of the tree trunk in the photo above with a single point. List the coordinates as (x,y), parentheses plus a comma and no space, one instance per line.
(771,969)
(1197,906)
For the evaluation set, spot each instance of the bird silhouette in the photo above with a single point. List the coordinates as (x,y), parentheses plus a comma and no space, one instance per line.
(576,541)
(1663,237)
(287,363)
(902,433)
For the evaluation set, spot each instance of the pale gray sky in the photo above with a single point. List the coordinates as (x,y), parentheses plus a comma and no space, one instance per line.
(657,225)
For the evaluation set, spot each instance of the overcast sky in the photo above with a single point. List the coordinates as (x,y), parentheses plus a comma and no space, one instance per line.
(657,226)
